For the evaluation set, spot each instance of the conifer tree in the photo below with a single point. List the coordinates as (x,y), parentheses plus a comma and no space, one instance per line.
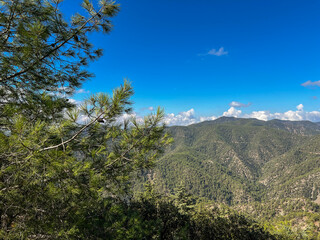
(63,167)
(43,57)
(183,199)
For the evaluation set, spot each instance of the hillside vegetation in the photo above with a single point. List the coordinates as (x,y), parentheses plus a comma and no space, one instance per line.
(240,160)
(269,170)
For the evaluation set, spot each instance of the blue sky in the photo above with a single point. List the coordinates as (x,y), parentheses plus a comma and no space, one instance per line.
(204,55)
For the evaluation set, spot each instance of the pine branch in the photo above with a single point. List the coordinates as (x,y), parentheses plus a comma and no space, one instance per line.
(74,136)
(132,146)
(52,50)
(12,15)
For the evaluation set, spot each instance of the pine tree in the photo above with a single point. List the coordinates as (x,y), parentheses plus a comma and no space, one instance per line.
(63,168)
(183,200)
(43,57)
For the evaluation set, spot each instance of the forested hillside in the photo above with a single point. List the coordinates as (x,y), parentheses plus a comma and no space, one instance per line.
(240,160)
(267,169)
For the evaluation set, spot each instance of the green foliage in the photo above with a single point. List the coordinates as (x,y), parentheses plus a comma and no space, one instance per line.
(263,169)
(43,57)
(298,218)
(55,177)
(183,200)
(63,168)
(160,217)
(237,161)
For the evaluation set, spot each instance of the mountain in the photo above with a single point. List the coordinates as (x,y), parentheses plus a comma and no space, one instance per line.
(305,128)
(295,173)
(238,161)
(266,170)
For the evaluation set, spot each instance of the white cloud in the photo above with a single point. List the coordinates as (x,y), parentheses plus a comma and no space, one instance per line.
(311,84)
(183,118)
(232,112)
(300,107)
(62,88)
(239,104)
(291,115)
(261,115)
(83,119)
(128,116)
(189,117)
(219,52)
(71,100)
(147,108)
(313,116)
(80,91)
(202,119)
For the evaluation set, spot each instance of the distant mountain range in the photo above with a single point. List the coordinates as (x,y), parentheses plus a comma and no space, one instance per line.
(238,161)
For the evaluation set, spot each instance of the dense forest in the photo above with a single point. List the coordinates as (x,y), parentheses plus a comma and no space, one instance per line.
(78,172)
(268,170)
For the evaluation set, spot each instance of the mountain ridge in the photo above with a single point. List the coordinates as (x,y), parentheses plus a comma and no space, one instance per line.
(234,160)
(310,128)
